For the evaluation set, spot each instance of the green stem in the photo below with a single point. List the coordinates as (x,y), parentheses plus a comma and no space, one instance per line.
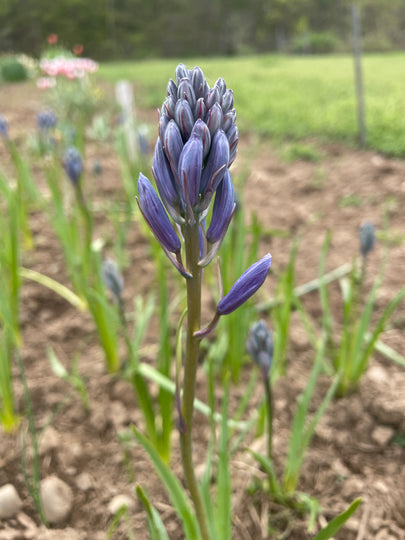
(190,371)
(269,405)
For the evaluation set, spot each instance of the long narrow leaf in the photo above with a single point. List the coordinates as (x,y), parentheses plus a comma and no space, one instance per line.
(173,487)
(337,523)
(223,519)
(156,528)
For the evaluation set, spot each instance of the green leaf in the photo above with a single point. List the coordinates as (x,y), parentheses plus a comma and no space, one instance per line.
(223,519)
(156,528)
(173,487)
(337,523)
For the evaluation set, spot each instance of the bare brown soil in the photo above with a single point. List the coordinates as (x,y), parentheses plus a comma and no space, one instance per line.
(358,448)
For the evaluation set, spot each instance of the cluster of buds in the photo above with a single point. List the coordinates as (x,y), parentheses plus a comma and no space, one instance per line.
(367,238)
(46,120)
(73,164)
(71,68)
(3,128)
(260,346)
(196,145)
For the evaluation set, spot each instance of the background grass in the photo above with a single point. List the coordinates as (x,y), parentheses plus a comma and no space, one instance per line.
(294,97)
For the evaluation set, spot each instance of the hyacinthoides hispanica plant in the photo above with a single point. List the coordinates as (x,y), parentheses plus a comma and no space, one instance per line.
(196,145)
(260,346)
(351,350)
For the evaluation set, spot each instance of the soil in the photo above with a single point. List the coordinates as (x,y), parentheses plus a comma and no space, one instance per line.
(358,449)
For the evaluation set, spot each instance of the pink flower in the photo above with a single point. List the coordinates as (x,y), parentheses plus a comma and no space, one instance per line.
(78,49)
(52,39)
(46,82)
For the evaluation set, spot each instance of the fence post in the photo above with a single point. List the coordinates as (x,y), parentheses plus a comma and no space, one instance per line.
(356,27)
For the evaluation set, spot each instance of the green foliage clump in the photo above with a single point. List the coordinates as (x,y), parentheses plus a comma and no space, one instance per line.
(12,70)
(315,43)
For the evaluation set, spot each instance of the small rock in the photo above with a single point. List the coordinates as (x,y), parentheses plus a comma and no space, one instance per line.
(61,534)
(118,502)
(99,418)
(30,527)
(57,499)
(49,441)
(377,374)
(119,415)
(124,392)
(84,482)
(382,435)
(10,502)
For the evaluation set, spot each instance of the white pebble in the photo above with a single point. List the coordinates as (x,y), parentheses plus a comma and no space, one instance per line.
(118,501)
(10,502)
(57,499)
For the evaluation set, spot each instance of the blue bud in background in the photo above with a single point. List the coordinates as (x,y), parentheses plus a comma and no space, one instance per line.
(112,278)
(260,346)
(97,167)
(245,287)
(73,163)
(367,238)
(156,217)
(3,127)
(46,120)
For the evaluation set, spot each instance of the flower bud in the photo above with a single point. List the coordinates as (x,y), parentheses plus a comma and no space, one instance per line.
(201,129)
(46,120)
(184,118)
(173,145)
(181,73)
(169,107)
(216,164)
(172,89)
(215,118)
(156,217)
(3,128)
(367,238)
(260,346)
(186,91)
(199,83)
(112,278)
(73,164)
(245,287)
(227,101)
(222,211)
(164,177)
(190,166)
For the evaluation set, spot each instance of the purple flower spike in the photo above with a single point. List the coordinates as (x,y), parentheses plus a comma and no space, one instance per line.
(164,179)
(73,163)
(190,166)
(245,286)
(222,211)
(156,217)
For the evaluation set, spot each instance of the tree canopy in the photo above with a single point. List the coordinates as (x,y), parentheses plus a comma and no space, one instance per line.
(145,28)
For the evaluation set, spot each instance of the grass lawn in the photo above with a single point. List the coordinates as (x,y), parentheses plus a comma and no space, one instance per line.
(294,97)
